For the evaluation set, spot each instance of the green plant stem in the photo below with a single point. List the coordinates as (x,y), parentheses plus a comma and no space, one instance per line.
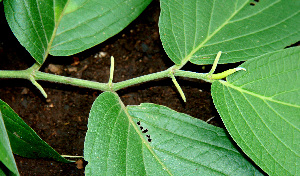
(195,75)
(141,79)
(22,74)
(71,81)
(38,75)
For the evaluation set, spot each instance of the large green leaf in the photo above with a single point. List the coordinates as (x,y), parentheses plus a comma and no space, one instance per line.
(117,142)
(24,141)
(196,30)
(6,156)
(261,110)
(63,27)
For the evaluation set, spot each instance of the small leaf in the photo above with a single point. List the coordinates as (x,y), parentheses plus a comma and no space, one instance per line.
(261,110)
(6,156)
(194,30)
(67,27)
(24,141)
(154,140)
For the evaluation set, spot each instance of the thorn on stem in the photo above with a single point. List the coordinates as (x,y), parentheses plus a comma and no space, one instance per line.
(178,87)
(214,66)
(38,86)
(112,67)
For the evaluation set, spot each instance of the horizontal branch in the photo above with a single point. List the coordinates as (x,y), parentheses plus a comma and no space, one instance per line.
(71,81)
(33,75)
(141,79)
(38,75)
(22,74)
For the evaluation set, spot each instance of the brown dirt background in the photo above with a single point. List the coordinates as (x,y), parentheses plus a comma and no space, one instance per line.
(61,119)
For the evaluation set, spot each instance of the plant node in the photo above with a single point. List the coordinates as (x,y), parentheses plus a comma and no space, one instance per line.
(224,74)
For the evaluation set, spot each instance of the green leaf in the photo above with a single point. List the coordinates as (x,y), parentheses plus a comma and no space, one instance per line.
(67,27)
(24,141)
(195,30)
(6,156)
(32,22)
(261,110)
(177,143)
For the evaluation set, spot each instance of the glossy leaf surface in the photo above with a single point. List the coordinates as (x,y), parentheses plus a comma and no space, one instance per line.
(24,141)
(154,140)
(195,30)
(261,110)
(63,27)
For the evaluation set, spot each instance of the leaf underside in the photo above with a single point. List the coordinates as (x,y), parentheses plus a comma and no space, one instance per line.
(154,140)
(261,110)
(193,30)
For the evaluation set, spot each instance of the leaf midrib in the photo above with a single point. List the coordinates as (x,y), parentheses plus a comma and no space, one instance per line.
(193,139)
(265,99)
(188,57)
(49,45)
(228,84)
(123,107)
(257,31)
(256,136)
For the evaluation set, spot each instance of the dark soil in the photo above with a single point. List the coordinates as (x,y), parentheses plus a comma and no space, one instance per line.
(61,119)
